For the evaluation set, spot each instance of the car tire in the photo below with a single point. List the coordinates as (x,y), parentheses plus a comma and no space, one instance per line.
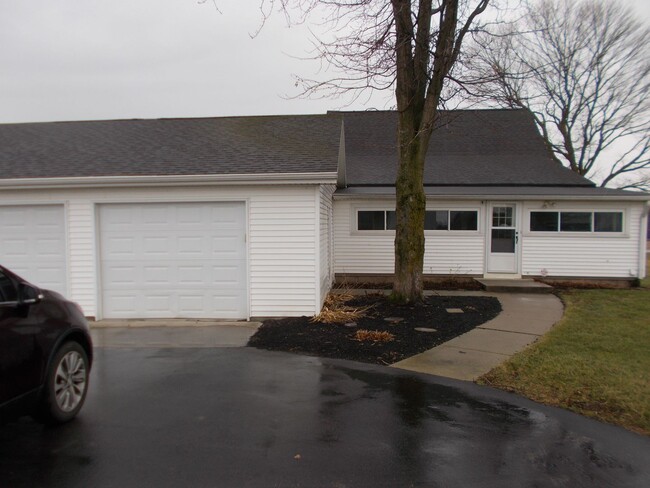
(66,385)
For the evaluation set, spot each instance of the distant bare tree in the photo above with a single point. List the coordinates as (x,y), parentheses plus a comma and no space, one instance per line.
(408,46)
(583,70)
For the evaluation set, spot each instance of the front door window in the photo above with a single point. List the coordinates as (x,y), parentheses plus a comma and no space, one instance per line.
(502,255)
(504,233)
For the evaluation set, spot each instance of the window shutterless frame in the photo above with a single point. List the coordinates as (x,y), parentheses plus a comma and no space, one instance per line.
(576,222)
(436,220)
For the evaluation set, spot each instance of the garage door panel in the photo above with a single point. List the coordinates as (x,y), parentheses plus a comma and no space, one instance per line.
(192,304)
(223,304)
(191,246)
(50,276)
(193,275)
(156,246)
(177,257)
(227,248)
(49,247)
(33,244)
(119,248)
(190,215)
(121,305)
(118,275)
(160,304)
(227,275)
(157,275)
(15,248)
(154,215)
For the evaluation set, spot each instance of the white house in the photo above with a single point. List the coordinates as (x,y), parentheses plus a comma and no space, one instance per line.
(243,217)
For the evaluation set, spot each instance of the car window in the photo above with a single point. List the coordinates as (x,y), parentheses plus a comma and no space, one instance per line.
(7,290)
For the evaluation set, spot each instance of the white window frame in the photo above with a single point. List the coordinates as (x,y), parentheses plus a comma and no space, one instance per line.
(561,233)
(356,210)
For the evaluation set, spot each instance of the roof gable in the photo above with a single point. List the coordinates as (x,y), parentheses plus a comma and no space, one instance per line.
(468,147)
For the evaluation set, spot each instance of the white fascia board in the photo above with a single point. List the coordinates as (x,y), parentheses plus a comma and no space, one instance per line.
(169,180)
(501,197)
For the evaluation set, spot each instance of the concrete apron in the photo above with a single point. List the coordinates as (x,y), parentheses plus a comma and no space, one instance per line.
(162,333)
(525,318)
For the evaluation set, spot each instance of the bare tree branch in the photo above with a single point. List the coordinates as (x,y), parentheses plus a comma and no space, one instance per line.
(583,69)
(406,45)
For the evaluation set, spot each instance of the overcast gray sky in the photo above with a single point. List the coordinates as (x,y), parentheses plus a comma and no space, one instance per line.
(107,59)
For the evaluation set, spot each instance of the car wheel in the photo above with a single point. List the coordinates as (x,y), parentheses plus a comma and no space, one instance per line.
(66,385)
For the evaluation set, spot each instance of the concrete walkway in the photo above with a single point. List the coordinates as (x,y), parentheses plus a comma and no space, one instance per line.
(525,318)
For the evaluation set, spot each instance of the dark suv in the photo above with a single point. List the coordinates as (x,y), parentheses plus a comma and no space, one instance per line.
(45,352)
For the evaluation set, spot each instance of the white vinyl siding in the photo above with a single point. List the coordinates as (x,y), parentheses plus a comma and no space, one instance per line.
(82,255)
(586,254)
(33,244)
(283,253)
(325,239)
(281,242)
(373,252)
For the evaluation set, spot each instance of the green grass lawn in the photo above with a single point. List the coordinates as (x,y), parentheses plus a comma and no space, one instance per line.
(645,283)
(595,361)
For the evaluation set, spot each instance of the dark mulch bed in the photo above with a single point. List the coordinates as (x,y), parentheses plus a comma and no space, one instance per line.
(300,335)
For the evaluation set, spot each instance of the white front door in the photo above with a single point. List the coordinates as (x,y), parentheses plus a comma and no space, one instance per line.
(503,239)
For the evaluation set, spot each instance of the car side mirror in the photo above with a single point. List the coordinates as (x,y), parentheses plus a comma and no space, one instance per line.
(29,294)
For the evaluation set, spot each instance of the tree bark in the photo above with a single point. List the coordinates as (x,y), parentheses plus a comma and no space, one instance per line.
(410,210)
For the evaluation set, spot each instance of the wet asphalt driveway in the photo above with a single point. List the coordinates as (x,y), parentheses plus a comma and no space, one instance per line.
(248,418)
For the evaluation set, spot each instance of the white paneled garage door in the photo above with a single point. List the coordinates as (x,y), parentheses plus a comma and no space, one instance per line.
(173,260)
(33,245)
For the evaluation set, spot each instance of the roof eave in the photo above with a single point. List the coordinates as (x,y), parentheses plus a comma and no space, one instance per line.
(379,195)
(170,180)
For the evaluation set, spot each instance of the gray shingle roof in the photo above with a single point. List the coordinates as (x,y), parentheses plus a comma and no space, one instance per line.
(469,147)
(228,145)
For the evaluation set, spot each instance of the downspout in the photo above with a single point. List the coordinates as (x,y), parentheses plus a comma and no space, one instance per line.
(642,240)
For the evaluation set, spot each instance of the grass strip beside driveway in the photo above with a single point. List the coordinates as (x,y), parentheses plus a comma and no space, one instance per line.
(595,361)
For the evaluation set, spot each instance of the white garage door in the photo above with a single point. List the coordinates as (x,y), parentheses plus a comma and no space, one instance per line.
(32,244)
(172,260)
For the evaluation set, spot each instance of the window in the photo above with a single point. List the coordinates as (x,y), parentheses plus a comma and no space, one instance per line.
(7,289)
(502,217)
(544,221)
(436,220)
(608,222)
(372,220)
(575,222)
(464,220)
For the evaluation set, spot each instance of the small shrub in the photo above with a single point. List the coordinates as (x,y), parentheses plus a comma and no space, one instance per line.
(335,310)
(363,335)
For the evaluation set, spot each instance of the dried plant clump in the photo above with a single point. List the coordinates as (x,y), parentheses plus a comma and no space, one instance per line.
(364,335)
(335,310)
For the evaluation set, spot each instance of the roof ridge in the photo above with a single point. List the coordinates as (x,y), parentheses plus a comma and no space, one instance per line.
(164,119)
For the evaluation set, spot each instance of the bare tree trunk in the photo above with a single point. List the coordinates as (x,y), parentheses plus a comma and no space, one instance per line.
(413,45)
(409,231)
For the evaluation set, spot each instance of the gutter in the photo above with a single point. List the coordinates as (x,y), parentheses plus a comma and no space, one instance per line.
(501,197)
(169,180)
